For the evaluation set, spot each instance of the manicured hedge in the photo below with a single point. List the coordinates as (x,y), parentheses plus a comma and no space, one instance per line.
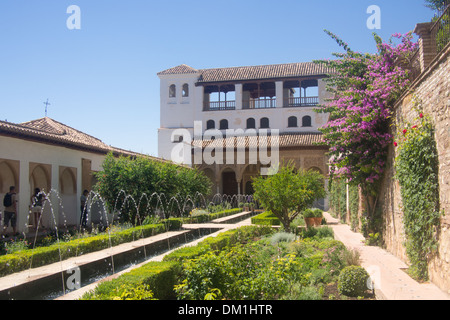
(266,219)
(159,276)
(209,217)
(162,276)
(41,256)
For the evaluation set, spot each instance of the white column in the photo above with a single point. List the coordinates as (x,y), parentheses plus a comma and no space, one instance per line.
(279,93)
(79,191)
(24,195)
(238,93)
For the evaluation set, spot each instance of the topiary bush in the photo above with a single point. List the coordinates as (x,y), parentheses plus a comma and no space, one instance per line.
(353,281)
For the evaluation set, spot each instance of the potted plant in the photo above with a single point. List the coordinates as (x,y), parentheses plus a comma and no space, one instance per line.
(318,216)
(308,216)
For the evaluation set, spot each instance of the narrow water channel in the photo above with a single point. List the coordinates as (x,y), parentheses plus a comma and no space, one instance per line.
(54,285)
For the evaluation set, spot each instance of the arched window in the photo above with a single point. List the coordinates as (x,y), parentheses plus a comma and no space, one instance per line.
(223,124)
(251,123)
(306,121)
(292,122)
(264,123)
(172,91)
(210,125)
(185,90)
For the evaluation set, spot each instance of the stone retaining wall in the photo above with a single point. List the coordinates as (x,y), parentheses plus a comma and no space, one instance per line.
(432,89)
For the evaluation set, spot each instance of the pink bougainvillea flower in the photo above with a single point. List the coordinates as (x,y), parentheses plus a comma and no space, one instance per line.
(414,127)
(396,144)
(405,131)
(421,115)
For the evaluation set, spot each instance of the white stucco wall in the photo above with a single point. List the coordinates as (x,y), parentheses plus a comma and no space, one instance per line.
(181,112)
(27,152)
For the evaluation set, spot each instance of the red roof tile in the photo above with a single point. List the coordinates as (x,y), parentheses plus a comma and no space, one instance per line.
(285,140)
(274,71)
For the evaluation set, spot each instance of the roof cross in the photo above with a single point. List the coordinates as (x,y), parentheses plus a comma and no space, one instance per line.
(46,105)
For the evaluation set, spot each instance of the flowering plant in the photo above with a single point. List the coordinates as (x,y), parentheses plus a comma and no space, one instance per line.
(365,86)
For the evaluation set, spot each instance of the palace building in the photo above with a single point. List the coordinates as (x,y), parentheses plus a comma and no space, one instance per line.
(206,114)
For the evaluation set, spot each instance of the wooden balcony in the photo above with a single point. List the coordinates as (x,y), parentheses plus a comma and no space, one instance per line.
(220,106)
(260,103)
(294,102)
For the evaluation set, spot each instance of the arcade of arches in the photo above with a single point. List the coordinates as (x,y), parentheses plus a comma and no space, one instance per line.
(237,179)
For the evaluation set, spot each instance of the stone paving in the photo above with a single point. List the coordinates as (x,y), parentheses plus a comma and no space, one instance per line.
(387,271)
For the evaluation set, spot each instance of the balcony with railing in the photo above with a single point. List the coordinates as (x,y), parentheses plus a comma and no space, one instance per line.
(261,95)
(260,103)
(219,106)
(294,102)
(219,98)
(300,93)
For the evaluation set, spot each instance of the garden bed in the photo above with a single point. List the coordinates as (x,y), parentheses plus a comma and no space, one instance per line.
(247,263)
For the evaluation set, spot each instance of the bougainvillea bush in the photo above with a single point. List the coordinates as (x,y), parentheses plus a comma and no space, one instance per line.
(364,88)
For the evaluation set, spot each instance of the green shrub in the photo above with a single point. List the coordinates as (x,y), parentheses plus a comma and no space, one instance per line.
(282,237)
(202,216)
(317,213)
(325,232)
(308,213)
(310,293)
(158,278)
(266,219)
(353,281)
(186,253)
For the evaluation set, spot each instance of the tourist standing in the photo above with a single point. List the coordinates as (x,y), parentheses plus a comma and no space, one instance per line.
(10,204)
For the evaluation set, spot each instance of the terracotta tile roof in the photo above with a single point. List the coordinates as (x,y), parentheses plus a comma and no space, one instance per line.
(181,69)
(274,71)
(47,130)
(285,140)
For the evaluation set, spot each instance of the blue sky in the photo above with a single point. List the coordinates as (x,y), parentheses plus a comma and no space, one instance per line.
(102,78)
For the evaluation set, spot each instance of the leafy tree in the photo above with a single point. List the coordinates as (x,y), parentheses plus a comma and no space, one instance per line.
(140,185)
(288,193)
(437,5)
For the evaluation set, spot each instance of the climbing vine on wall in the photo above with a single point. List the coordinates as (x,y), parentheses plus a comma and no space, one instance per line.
(338,197)
(416,167)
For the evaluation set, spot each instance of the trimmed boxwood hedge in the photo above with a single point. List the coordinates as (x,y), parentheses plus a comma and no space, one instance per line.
(41,256)
(266,219)
(209,217)
(159,276)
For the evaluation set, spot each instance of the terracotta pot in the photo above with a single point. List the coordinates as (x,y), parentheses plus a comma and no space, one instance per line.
(318,221)
(310,222)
